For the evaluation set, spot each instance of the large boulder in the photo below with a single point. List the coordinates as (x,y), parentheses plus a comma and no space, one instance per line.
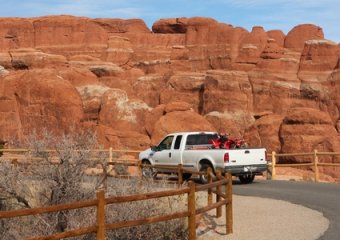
(297,37)
(120,112)
(149,88)
(212,45)
(120,50)
(233,123)
(121,138)
(265,132)
(152,117)
(170,25)
(78,76)
(227,91)
(91,95)
(319,60)
(252,46)
(184,87)
(37,100)
(278,36)
(303,130)
(179,121)
(272,50)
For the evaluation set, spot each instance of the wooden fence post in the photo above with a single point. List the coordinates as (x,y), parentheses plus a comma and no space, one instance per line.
(109,170)
(30,156)
(210,194)
(180,174)
(229,205)
(140,168)
(273,165)
(218,196)
(192,211)
(101,215)
(316,168)
(15,162)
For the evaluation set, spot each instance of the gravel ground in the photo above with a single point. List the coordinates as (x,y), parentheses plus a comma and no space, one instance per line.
(261,218)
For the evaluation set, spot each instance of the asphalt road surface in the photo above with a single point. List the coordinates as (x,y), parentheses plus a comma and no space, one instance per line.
(323,197)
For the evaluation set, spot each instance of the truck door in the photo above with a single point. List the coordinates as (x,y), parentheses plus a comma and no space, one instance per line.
(163,153)
(176,153)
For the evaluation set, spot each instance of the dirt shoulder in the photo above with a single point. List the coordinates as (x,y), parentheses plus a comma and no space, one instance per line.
(261,218)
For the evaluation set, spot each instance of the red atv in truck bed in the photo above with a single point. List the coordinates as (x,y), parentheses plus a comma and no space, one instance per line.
(225,142)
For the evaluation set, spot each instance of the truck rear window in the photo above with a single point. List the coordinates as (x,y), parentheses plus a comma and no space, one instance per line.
(200,139)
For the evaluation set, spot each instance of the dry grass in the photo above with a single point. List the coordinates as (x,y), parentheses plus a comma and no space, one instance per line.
(47,183)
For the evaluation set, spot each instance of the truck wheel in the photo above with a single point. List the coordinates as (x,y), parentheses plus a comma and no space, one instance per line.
(148,171)
(245,179)
(204,168)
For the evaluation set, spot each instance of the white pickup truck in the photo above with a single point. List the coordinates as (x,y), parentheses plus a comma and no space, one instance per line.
(195,153)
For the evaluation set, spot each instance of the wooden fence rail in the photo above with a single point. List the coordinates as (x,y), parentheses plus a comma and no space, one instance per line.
(314,164)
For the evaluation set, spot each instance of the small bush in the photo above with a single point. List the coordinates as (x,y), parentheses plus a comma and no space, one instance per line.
(174,229)
(121,169)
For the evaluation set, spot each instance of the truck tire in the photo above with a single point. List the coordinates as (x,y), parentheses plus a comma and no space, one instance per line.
(204,168)
(246,179)
(147,171)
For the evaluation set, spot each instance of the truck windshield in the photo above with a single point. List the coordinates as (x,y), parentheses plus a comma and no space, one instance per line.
(200,139)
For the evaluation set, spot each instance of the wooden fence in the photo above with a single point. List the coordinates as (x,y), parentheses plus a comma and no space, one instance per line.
(314,164)
(101,201)
(17,155)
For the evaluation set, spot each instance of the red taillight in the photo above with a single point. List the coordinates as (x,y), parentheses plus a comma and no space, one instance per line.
(226,157)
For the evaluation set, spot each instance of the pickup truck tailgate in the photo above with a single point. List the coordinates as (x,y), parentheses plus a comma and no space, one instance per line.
(246,160)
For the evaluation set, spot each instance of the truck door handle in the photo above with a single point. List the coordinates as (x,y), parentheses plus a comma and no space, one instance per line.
(169,155)
(247,151)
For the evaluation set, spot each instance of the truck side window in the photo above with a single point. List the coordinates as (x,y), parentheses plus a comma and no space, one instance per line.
(178,142)
(166,143)
(199,139)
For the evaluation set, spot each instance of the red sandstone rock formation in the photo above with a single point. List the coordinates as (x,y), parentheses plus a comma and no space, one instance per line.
(36,100)
(297,37)
(278,36)
(171,25)
(132,86)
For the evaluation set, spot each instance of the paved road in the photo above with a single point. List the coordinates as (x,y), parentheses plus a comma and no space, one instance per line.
(323,197)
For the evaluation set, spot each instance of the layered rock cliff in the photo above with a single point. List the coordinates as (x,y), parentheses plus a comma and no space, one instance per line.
(132,85)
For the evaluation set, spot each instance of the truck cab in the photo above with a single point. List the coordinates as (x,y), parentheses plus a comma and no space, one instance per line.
(169,150)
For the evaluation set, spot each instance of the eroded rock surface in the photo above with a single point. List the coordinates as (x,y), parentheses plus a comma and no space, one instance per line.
(132,85)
